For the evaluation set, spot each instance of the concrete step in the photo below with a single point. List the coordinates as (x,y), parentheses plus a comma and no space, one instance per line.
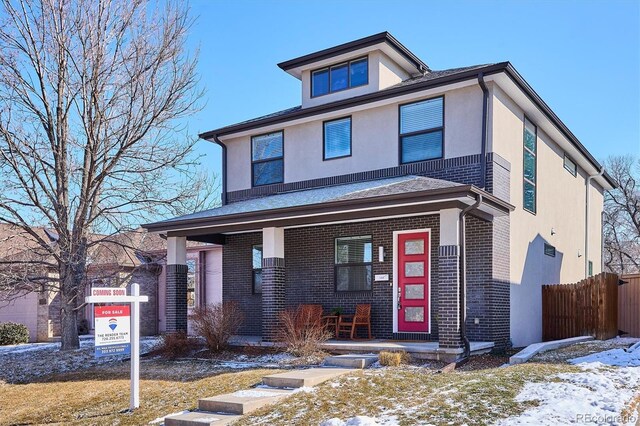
(303,378)
(351,360)
(242,402)
(200,418)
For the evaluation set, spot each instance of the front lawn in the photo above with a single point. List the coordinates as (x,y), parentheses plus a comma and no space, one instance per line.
(97,396)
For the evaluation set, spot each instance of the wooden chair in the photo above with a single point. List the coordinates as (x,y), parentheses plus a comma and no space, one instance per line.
(349,323)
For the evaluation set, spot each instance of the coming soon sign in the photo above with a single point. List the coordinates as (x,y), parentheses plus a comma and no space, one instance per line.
(112,330)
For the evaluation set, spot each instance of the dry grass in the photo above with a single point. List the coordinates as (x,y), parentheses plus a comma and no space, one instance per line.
(97,396)
(412,396)
(393,359)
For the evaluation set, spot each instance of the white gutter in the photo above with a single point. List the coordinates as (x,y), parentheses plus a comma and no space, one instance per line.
(586,222)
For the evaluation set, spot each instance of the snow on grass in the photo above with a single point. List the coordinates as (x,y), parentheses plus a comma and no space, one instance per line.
(161,419)
(355,421)
(598,394)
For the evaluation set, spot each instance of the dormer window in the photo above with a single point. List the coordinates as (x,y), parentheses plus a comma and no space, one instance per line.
(340,77)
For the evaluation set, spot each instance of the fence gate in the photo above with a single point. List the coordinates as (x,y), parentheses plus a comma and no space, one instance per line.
(629,305)
(587,308)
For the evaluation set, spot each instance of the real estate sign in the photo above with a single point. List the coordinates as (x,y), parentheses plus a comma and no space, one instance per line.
(112,330)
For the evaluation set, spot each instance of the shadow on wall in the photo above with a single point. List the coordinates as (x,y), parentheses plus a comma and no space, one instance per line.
(526,297)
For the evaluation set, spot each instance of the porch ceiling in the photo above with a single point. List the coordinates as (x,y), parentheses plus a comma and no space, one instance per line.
(408,195)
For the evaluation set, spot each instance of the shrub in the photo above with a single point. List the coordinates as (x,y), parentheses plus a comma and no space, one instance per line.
(216,323)
(12,333)
(175,345)
(301,334)
(83,327)
(393,359)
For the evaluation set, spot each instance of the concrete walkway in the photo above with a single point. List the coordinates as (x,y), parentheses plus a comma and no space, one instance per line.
(224,409)
(527,353)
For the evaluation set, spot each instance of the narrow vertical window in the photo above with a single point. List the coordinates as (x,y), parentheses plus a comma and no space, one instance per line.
(530,140)
(267,158)
(570,165)
(421,130)
(191,284)
(590,268)
(337,138)
(257,269)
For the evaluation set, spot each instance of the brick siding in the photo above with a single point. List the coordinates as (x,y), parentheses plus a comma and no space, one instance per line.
(176,298)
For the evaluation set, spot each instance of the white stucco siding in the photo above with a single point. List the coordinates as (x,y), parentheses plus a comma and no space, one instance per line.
(559,220)
(23,310)
(374,140)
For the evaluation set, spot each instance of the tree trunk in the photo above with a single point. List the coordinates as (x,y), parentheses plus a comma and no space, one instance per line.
(68,309)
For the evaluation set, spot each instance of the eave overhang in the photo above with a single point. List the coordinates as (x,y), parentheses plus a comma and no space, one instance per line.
(410,203)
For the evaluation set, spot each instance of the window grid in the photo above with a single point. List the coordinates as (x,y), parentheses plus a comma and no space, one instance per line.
(349,84)
(529,184)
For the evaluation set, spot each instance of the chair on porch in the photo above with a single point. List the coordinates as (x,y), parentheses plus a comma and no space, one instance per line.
(349,323)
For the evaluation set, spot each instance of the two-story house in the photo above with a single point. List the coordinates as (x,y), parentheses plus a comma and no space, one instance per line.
(444,199)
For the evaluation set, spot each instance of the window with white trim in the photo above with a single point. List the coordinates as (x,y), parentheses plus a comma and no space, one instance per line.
(570,165)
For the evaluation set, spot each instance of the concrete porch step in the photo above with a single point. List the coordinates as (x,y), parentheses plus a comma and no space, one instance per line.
(242,402)
(351,360)
(303,378)
(200,418)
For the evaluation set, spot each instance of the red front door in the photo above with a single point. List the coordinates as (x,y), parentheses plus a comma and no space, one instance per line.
(413,282)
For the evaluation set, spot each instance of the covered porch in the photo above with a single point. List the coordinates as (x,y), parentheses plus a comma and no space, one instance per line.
(299,234)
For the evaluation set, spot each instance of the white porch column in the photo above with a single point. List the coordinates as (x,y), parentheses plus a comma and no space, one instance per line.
(449,279)
(273,281)
(176,285)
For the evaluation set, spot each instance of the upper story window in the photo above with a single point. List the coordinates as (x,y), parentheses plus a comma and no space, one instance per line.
(267,158)
(421,130)
(340,77)
(570,165)
(337,138)
(530,139)
(353,263)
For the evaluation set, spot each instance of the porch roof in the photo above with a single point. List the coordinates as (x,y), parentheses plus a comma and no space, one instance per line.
(370,199)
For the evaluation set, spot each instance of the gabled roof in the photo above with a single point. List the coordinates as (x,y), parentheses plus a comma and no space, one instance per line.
(383,37)
(334,198)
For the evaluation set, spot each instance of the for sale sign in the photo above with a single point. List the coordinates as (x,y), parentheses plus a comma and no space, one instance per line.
(112,330)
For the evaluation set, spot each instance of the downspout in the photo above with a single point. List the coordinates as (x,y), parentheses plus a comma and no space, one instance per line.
(224,168)
(483,148)
(463,278)
(586,223)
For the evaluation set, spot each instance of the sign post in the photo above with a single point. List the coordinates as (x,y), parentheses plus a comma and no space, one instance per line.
(117,332)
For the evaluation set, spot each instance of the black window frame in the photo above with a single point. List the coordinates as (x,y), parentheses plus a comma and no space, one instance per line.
(573,171)
(195,281)
(535,156)
(549,250)
(328,69)
(255,271)
(324,138)
(254,162)
(420,132)
(336,265)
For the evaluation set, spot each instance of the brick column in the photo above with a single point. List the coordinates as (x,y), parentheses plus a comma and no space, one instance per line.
(449,297)
(176,285)
(273,294)
(273,286)
(449,280)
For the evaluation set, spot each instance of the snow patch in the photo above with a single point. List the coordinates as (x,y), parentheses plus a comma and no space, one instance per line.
(354,421)
(161,419)
(250,393)
(598,394)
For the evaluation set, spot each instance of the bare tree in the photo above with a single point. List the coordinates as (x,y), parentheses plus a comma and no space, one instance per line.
(621,219)
(91,93)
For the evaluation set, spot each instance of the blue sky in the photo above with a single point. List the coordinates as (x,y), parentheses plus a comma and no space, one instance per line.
(582,57)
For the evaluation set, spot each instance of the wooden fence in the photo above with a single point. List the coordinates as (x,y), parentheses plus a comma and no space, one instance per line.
(629,305)
(589,307)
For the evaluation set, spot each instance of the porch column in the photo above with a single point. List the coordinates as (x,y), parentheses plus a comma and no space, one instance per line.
(273,274)
(176,285)
(449,280)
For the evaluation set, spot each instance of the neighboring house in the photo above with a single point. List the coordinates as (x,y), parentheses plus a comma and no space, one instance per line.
(116,261)
(415,190)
